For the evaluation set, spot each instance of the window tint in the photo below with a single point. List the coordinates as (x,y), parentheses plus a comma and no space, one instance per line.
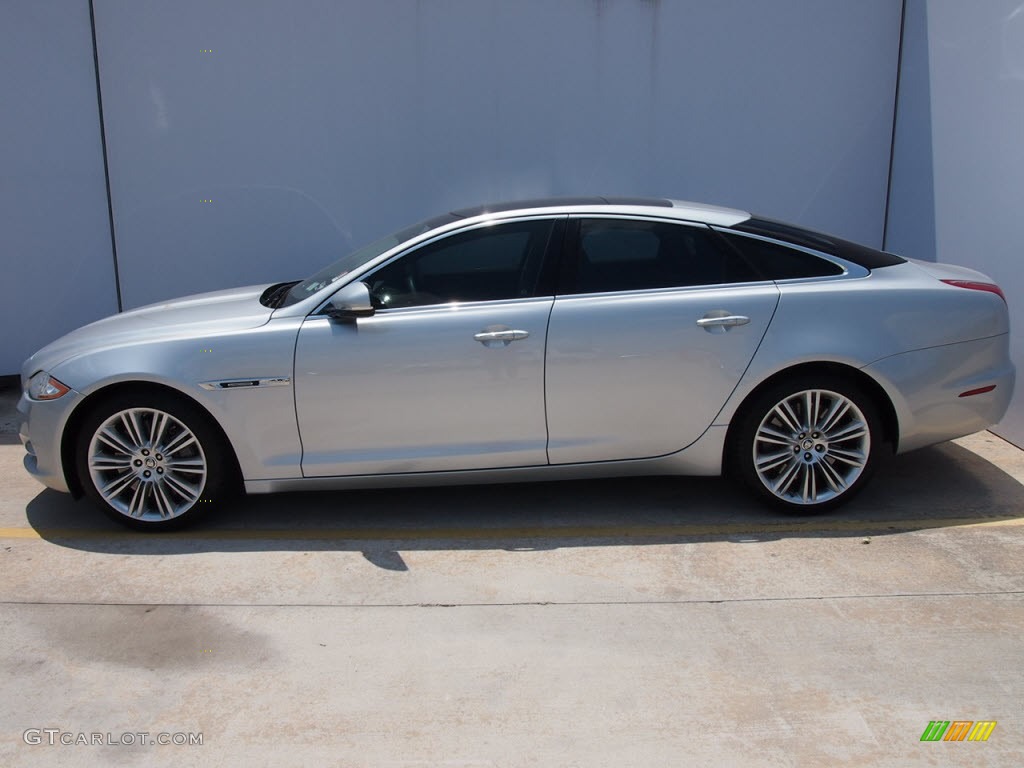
(489,264)
(777,262)
(625,255)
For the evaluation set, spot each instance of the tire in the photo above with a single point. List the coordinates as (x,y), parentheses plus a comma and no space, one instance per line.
(807,444)
(152,461)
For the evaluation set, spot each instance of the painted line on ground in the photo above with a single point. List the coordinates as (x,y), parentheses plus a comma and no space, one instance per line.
(534,532)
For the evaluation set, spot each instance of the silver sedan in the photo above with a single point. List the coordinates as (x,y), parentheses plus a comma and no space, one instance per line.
(567,338)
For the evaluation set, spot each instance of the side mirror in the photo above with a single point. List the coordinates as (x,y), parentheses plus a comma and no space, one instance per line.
(350,303)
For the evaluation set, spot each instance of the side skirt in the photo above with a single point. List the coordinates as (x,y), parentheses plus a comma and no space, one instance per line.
(703,457)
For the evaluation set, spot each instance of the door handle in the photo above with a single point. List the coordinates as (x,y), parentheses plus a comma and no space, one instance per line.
(728,321)
(504,337)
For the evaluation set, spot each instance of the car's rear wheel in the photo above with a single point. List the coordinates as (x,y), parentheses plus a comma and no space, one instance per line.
(152,461)
(808,444)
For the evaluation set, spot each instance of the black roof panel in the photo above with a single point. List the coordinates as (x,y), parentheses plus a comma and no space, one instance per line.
(554,202)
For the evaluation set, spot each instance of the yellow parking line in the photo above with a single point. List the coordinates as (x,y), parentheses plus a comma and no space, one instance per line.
(534,532)
(19,533)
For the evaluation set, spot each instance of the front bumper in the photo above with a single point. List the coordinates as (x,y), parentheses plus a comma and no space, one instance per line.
(41,426)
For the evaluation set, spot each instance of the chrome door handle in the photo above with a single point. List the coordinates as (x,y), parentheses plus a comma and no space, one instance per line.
(494,338)
(728,321)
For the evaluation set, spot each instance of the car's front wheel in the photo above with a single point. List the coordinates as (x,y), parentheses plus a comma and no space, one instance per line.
(808,444)
(150,461)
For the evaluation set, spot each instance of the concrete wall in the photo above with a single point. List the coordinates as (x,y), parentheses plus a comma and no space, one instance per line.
(55,249)
(958,184)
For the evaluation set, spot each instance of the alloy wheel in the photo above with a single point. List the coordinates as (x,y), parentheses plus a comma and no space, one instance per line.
(147,464)
(811,447)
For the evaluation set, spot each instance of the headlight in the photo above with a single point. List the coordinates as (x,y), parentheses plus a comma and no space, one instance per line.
(43,386)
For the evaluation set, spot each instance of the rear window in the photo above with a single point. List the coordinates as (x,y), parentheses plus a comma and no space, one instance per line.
(869,258)
(777,262)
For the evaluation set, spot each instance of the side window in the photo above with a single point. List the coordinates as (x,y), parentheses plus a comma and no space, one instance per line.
(778,262)
(494,263)
(629,255)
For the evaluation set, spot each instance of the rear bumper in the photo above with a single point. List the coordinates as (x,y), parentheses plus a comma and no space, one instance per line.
(925,387)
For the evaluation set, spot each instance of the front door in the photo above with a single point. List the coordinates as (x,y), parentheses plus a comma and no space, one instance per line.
(448,374)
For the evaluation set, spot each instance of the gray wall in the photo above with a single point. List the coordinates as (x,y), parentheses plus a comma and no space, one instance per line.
(315,126)
(958,186)
(55,251)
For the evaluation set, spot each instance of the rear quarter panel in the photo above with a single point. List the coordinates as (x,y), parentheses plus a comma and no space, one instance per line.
(859,321)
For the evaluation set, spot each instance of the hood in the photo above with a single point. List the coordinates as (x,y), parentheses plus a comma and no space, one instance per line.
(199,315)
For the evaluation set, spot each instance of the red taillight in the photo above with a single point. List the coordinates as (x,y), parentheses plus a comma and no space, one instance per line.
(976,286)
(978,391)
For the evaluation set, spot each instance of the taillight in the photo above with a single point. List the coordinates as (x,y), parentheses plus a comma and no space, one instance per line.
(978,391)
(976,286)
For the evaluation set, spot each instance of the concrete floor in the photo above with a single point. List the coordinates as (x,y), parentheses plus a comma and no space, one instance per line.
(615,623)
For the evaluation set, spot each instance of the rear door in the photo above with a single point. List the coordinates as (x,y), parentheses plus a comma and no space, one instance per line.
(654,323)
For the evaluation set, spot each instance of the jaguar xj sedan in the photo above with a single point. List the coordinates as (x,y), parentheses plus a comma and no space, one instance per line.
(547,339)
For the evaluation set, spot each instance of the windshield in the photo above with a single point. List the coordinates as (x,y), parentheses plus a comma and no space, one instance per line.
(334,272)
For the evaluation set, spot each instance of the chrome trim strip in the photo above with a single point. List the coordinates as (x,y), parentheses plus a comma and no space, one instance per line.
(274,381)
